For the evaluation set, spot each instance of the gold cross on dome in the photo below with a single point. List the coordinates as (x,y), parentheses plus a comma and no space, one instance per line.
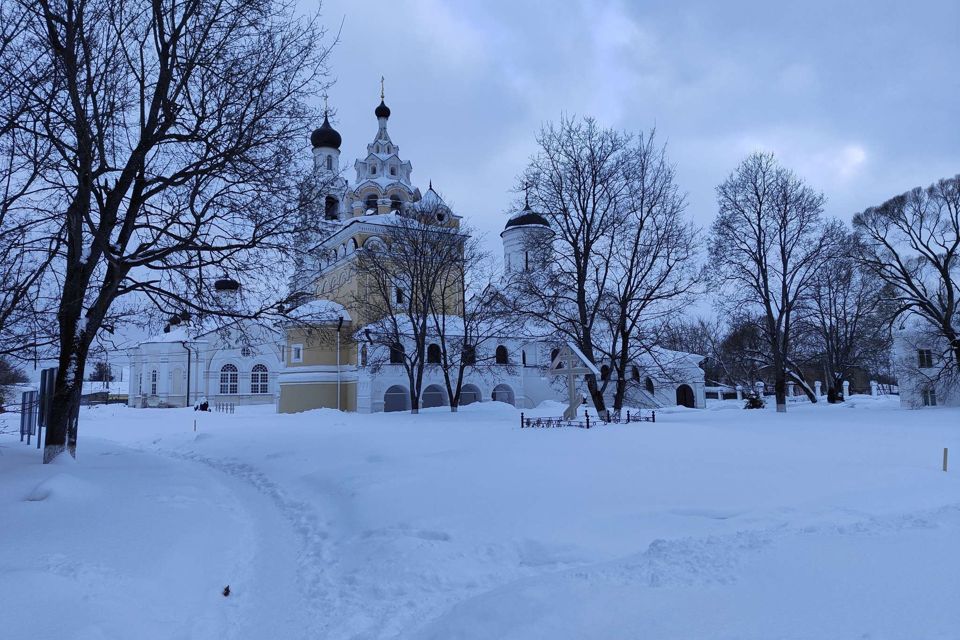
(381,88)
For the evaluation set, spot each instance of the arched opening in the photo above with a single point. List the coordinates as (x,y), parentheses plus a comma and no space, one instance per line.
(259,379)
(649,385)
(635,373)
(396,353)
(685,396)
(396,398)
(363,356)
(604,372)
(395,203)
(433,396)
(228,379)
(503,356)
(330,208)
(433,354)
(371,201)
(553,356)
(469,394)
(503,393)
(523,357)
(329,163)
(469,355)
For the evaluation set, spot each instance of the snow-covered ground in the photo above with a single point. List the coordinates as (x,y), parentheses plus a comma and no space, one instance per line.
(829,522)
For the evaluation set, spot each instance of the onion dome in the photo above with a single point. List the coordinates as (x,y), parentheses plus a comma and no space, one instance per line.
(382,110)
(226,284)
(325,136)
(526,217)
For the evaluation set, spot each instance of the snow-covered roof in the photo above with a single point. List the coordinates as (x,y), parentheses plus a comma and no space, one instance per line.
(322,310)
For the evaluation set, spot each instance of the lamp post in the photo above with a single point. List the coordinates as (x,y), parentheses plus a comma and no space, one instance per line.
(339,326)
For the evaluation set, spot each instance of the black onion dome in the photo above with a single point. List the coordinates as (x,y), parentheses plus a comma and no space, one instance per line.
(325,136)
(382,110)
(226,284)
(527,217)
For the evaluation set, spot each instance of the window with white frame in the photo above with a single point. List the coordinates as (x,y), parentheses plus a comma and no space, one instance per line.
(153,382)
(296,353)
(259,380)
(925,358)
(929,397)
(228,379)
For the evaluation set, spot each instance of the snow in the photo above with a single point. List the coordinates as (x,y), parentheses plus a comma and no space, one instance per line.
(831,521)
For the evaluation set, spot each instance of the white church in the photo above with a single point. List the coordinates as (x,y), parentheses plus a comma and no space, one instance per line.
(298,371)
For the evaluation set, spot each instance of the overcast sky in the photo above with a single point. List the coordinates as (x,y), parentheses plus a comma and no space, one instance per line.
(862,100)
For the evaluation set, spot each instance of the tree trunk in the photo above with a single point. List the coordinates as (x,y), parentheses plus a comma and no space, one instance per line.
(780,389)
(595,394)
(65,409)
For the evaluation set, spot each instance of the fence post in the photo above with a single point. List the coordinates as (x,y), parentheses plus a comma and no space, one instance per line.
(521,420)
(653,416)
(628,416)
(587,414)
(944,458)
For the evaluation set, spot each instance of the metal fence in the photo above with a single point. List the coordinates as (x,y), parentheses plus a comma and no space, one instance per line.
(587,423)
(29,409)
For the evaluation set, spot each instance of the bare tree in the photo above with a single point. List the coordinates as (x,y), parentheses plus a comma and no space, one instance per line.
(26,316)
(173,129)
(654,269)
(912,243)
(847,318)
(768,242)
(622,256)
(471,318)
(399,283)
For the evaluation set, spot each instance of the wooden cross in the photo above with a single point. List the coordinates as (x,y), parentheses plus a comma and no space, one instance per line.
(571,361)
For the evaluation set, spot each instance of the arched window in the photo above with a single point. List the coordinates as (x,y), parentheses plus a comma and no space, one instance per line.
(396,353)
(523,357)
(330,207)
(604,372)
(635,372)
(371,201)
(553,356)
(649,385)
(153,382)
(228,379)
(259,379)
(395,203)
(469,354)
(363,356)
(433,354)
(329,163)
(503,356)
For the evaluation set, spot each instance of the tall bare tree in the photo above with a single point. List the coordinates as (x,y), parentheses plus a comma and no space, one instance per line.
(173,129)
(654,265)
(399,283)
(847,316)
(622,255)
(768,242)
(912,244)
(471,318)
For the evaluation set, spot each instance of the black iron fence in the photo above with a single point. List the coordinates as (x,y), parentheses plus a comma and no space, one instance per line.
(587,422)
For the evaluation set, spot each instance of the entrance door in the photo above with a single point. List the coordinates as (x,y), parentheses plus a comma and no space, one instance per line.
(685,396)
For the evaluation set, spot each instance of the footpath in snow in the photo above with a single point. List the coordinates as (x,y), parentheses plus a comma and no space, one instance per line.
(829,522)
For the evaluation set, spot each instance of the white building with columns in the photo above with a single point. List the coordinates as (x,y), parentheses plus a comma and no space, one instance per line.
(180,367)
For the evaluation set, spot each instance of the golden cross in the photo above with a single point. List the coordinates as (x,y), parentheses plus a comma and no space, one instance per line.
(381,90)
(325,108)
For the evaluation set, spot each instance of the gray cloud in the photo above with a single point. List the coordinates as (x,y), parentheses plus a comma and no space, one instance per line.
(861,99)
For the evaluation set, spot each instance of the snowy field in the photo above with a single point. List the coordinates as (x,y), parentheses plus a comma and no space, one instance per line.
(829,522)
